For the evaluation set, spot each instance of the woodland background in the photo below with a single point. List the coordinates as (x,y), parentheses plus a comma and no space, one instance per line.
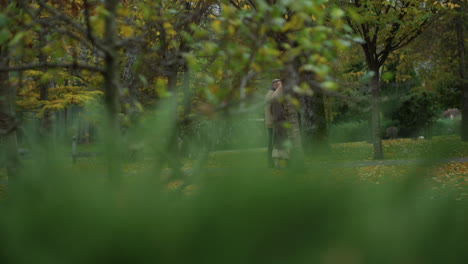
(356,67)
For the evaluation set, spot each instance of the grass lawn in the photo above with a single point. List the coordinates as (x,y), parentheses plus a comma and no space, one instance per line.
(441,176)
(399,149)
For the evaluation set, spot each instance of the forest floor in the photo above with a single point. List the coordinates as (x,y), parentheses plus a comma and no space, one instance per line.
(443,161)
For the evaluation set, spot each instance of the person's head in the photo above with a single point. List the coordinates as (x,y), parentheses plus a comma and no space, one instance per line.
(276,83)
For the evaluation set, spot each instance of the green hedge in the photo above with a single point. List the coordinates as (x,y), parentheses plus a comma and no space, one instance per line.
(349,132)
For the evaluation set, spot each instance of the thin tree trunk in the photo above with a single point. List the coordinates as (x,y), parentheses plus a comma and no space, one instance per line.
(321,129)
(172,78)
(307,122)
(129,80)
(129,76)
(294,132)
(462,73)
(186,91)
(8,117)
(376,135)
(111,91)
(46,122)
(313,122)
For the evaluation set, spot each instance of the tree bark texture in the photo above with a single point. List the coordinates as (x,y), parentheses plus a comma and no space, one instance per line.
(8,121)
(313,122)
(130,82)
(112,92)
(111,74)
(294,133)
(46,120)
(313,119)
(462,73)
(376,135)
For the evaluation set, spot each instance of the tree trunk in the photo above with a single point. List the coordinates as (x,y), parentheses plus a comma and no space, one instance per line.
(130,84)
(375,92)
(111,81)
(46,121)
(307,122)
(186,91)
(462,73)
(172,78)
(129,76)
(294,132)
(313,122)
(111,91)
(8,118)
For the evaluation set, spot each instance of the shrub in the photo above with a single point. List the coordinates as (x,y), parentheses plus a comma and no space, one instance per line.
(416,114)
(442,127)
(349,131)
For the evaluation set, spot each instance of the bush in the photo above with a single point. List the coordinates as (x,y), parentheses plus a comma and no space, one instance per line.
(443,127)
(230,134)
(349,132)
(416,114)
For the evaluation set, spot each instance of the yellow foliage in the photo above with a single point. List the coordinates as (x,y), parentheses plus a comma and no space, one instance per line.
(256,67)
(97,25)
(169,29)
(295,23)
(216,25)
(213,88)
(126,31)
(60,96)
(124,11)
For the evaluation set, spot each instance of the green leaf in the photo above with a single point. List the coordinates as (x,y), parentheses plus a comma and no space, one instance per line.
(337,13)
(387,76)
(17,38)
(4,35)
(330,85)
(3,20)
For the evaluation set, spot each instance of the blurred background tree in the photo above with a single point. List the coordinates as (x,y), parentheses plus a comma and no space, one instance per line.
(216,58)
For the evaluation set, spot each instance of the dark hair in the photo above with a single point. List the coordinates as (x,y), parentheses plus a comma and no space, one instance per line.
(275,81)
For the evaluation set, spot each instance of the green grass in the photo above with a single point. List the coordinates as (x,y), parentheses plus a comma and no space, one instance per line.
(399,149)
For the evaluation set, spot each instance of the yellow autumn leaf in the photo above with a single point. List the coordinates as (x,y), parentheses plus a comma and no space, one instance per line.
(256,67)
(169,29)
(124,11)
(97,25)
(216,26)
(126,31)
(295,23)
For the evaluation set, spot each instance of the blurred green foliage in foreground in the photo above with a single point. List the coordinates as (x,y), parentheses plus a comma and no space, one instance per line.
(252,216)
(56,212)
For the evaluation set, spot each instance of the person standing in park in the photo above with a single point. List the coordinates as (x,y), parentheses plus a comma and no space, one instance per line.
(280,142)
(269,120)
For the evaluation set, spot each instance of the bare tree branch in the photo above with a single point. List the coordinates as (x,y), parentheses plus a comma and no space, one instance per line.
(74,65)
(94,40)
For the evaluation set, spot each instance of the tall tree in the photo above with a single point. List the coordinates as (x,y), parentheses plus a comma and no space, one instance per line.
(295,29)
(384,27)
(69,27)
(8,122)
(460,29)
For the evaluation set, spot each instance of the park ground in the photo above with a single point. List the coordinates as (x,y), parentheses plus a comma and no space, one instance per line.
(442,161)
